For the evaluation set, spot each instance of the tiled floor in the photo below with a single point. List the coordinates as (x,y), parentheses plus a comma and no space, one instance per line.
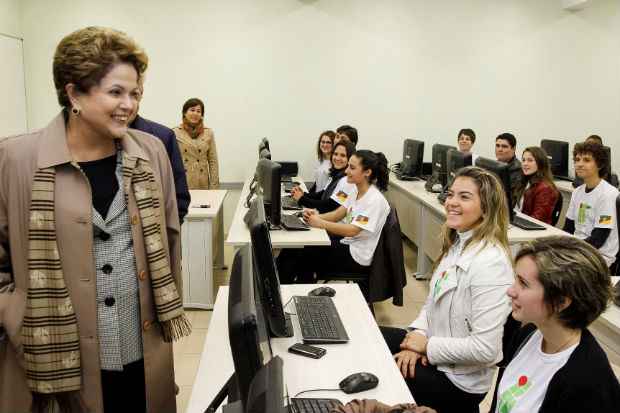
(187,352)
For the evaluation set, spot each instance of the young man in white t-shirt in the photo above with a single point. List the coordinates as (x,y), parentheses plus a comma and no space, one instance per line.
(591,215)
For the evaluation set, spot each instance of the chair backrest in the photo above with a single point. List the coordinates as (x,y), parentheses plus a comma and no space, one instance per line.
(557,209)
(616,265)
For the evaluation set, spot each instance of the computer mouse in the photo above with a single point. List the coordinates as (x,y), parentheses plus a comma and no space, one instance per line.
(358,382)
(323,292)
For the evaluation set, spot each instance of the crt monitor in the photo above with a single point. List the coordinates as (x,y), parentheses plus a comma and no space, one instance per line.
(440,163)
(267,389)
(413,158)
(266,273)
(502,171)
(557,152)
(456,160)
(268,176)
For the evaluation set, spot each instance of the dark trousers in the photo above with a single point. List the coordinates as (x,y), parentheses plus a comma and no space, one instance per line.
(430,387)
(124,391)
(299,265)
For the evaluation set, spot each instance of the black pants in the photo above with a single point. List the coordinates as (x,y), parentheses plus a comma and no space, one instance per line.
(299,265)
(124,391)
(430,387)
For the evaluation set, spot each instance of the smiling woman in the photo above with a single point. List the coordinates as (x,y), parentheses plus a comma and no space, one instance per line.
(92,253)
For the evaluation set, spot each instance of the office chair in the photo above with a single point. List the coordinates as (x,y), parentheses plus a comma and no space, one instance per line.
(557,209)
(387,276)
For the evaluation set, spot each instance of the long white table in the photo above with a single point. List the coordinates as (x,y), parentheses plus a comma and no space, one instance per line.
(202,246)
(366,351)
(421,217)
(239,235)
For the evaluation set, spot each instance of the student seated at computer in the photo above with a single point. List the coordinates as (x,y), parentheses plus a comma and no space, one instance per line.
(554,363)
(324,149)
(536,194)
(347,131)
(337,190)
(594,139)
(505,146)
(591,215)
(465,141)
(354,240)
(448,356)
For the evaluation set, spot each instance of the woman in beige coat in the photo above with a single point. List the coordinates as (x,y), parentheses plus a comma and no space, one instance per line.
(89,246)
(197,145)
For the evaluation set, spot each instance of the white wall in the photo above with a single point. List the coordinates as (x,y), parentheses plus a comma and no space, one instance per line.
(288,69)
(10,19)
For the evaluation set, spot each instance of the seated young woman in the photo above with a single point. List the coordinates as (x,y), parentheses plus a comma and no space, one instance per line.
(448,356)
(355,238)
(555,365)
(536,194)
(324,150)
(337,189)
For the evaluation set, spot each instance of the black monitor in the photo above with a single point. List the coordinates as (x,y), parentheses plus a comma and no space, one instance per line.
(267,389)
(266,273)
(456,160)
(557,152)
(502,171)
(413,158)
(439,173)
(268,177)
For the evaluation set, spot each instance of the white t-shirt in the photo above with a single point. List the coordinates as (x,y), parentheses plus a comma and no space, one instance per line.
(344,191)
(596,209)
(525,381)
(321,174)
(368,213)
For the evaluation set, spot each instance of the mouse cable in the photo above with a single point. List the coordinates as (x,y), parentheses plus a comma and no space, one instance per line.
(314,390)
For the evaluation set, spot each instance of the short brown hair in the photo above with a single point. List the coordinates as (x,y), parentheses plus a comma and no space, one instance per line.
(570,268)
(85,56)
(598,152)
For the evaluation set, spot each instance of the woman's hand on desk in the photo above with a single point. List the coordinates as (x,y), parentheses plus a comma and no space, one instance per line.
(314,220)
(406,361)
(297,193)
(415,342)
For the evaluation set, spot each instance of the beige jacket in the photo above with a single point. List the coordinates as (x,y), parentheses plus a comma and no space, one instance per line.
(199,158)
(20,156)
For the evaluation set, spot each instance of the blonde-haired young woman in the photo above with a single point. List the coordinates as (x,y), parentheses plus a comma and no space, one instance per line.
(449,354)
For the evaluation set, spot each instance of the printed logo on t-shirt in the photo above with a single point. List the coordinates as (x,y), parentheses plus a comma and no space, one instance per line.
(508,399)
(349,217)
(581,216)
(361,219)
(342,196)
(440,280)
(604,220)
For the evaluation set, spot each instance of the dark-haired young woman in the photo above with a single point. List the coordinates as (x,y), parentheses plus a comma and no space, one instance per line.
(337,189)
(536,193)
(355,227)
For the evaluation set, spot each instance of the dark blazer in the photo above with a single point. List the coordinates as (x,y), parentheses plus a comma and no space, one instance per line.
(387,272)
(539,201)
(586,383)
(166,135)
(321,201)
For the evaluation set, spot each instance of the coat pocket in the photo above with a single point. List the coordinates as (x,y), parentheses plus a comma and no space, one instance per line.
(14,307)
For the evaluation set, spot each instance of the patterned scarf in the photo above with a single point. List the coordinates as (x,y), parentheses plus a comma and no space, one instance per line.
(50,331)
(194,131)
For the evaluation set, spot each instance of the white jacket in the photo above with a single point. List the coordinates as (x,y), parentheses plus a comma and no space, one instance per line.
(465,312)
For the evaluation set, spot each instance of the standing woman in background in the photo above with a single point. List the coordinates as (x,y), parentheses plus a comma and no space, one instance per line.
(536,193)
(197,144)
(324,152)
(90,274)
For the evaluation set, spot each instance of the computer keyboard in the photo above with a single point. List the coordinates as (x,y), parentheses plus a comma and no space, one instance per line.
(290,204)
(300,405)
(292,223)
(319,320)
(526,224)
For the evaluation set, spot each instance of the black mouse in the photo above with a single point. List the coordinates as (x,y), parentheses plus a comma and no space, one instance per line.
(323,292)
(358,382)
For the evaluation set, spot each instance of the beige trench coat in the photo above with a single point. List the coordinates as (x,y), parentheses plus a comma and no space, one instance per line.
(20,156)
(199,158)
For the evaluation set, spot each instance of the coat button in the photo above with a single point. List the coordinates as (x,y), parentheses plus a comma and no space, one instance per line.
(109,301)
(107,269)
(134,220)
(142,275)
(146,325)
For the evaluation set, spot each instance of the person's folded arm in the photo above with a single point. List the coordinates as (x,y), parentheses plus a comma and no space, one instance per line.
(598,236)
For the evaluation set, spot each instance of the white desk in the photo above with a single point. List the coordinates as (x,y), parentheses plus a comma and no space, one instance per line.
(366,351)
(421,217)
(239,235)
(202,247)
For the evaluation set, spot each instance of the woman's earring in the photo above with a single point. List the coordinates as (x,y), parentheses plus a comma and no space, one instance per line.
(75,111)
